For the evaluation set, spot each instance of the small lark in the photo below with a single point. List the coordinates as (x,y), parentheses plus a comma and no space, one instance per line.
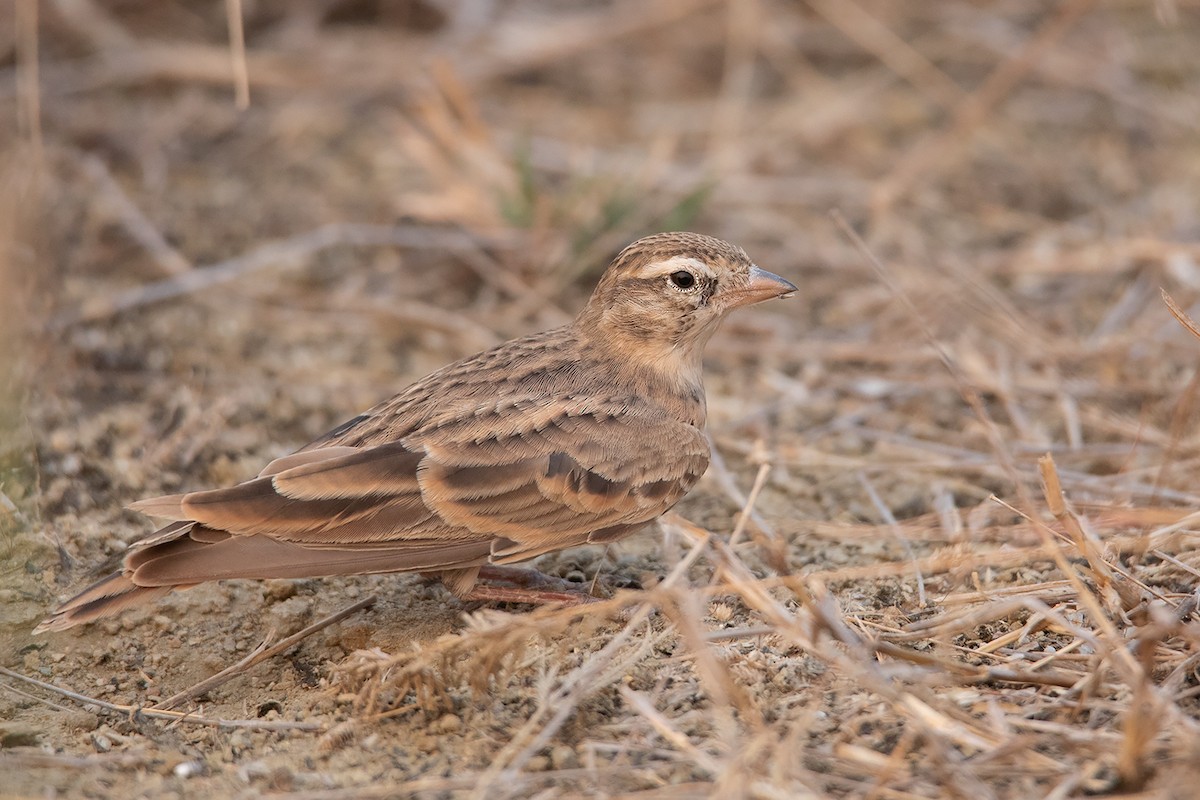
(575,435)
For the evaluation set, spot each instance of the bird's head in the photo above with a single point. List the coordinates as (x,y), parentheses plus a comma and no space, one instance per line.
(663,296)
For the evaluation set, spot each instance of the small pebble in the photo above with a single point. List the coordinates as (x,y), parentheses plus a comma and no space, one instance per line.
(290,615)
(13,735)
(240,740)
(282,779)
(253,771)
(447,723)
(564,757)
(279,589)
(83,720)
(61,440)
(211,664)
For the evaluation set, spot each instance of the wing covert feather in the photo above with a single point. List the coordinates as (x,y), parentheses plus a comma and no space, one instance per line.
(576,465)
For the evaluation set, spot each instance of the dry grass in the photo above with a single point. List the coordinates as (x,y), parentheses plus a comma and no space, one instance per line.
(948,549)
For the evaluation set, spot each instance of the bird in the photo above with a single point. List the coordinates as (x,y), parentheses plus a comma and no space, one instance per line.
(580,434)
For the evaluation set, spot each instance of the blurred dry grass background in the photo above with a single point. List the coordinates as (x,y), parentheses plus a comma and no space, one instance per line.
(883,589)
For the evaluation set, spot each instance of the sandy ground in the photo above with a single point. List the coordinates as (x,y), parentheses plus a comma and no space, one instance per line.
(193,290)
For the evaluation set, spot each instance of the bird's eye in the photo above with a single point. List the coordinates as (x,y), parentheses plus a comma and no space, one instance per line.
(683,279)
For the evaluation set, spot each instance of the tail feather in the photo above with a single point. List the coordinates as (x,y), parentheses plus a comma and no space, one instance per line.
(104,597)
(181,561)
(185,553)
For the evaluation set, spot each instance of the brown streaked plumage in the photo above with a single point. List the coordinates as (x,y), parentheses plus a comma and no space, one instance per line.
(575,435)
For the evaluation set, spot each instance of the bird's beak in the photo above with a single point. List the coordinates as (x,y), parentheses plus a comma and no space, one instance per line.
(763,285)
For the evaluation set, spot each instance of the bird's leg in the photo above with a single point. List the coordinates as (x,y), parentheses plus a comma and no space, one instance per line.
(537,597)
(526,578)
(526,586)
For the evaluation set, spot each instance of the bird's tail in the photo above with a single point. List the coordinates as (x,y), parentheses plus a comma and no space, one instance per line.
(104,597)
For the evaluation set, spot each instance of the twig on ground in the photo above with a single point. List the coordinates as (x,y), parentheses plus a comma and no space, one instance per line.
(540,41)
(285,251)
(262,653)
(135,222)
(538,730)
(760,480)
(966,388)
(936,151)
(642,705)
(724,477)
(174,716)
(38,759)
(890,520)
(1179,314)
(237,53)
(870,33)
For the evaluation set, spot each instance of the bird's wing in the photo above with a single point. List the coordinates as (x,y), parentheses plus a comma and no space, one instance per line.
(538,473)
(555,472)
